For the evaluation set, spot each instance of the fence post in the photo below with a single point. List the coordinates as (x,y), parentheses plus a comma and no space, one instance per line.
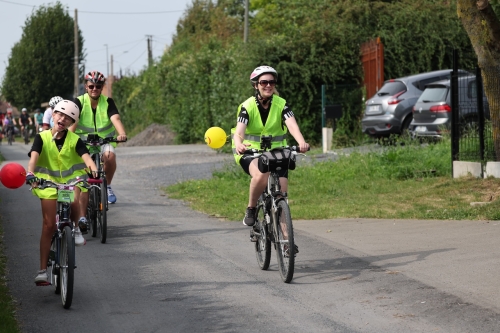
(455,133)
(480,112)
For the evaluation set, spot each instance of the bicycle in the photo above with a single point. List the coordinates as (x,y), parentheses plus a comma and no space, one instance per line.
(273,222)
(98,195)
(10,134)
(61,264)
(26,134)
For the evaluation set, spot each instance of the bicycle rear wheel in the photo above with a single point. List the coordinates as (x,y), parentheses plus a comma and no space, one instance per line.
(67,267)
(102,217)
(263,244)
(284,242)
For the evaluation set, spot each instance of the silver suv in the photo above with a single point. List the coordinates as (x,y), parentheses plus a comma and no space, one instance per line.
(389,111)
(432,111)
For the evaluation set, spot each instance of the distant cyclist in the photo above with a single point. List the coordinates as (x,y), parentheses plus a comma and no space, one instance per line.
(47,115)
(38,117)
(25,121)
(8,124)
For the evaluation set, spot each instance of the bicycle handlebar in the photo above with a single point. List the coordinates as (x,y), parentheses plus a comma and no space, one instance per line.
(98,141)
(44,183)
(294,149)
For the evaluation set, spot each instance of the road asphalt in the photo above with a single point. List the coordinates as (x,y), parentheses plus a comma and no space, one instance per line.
(352,275)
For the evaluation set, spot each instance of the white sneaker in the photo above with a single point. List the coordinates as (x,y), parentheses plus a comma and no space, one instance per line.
(42,278)
(79,240)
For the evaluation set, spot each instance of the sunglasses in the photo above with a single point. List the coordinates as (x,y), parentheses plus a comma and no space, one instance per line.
(264,83)
(97,86)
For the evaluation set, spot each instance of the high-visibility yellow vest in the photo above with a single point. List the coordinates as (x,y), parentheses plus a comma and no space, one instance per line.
(256,128)
(102,126)
(59,166)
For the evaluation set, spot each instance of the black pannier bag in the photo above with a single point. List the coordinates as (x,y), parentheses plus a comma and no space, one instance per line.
(276,159)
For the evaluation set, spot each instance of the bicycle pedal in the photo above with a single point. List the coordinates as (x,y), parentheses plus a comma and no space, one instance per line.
(43,284)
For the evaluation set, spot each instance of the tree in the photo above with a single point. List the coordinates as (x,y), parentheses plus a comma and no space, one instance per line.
(41,64)
(483,27)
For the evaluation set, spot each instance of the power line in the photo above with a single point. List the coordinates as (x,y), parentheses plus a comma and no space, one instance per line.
(105,13)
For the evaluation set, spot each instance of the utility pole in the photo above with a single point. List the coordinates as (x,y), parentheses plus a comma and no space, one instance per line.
(107,61)
(111,80)
(245,28)
(150,51)
(76,87)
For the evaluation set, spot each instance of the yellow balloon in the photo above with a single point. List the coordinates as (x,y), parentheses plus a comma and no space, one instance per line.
(215,137)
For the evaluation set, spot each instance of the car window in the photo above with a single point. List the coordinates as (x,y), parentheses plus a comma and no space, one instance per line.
(420,85)
(391,88)
(433,94)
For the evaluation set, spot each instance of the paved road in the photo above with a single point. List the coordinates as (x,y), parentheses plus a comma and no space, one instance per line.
(166,268)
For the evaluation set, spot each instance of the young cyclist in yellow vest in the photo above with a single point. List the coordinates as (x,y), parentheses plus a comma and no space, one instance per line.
(61,156)
(263,114)
(99,115)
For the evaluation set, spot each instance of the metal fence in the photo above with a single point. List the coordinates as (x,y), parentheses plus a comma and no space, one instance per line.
(472,129)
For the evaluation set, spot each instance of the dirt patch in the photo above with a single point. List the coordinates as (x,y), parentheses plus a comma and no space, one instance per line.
(153,135)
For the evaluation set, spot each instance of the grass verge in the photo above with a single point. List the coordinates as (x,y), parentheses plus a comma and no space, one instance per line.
(404,182)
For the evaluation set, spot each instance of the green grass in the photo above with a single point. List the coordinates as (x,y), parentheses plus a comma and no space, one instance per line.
(410,182)
(8,321)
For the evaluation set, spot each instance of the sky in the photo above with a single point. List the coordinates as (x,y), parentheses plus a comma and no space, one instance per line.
(121,25)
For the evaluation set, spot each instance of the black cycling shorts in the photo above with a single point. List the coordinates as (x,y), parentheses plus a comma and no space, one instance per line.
(247,159)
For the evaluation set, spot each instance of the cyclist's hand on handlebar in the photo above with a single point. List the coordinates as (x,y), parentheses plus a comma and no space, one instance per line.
(242,147)
(122,137)
(92,174)
(304,146)
(31,179)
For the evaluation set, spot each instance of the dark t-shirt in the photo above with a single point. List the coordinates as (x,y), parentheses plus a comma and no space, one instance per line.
(112,109)
(24,119)
(81,148)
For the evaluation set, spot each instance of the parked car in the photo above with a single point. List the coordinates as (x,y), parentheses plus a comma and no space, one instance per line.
(432,111)
(389,111)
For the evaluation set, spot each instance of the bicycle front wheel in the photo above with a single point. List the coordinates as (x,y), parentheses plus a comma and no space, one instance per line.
(284,242)
(53,268)
(67,267)
(263,244)
(102,217)
(92,210)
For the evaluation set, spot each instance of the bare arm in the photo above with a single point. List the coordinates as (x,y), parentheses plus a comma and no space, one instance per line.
(115,119)
(32,164)
(239,134)
(294,129)
(90,164)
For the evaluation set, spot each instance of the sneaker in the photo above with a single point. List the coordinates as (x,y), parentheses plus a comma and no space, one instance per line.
(287,250)
(249,219)
(79,240)
(83,224)
(111,195)
(42,278)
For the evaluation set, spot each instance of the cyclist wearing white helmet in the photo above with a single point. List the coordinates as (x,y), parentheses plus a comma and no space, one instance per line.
(61,156)
(99,115)
(47,121)
(24,122)
(265,113)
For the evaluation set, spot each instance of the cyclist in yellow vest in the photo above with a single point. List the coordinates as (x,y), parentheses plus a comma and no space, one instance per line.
(61,156)
(263,114)
(99,115)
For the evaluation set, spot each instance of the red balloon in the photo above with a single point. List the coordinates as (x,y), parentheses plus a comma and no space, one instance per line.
(13,175)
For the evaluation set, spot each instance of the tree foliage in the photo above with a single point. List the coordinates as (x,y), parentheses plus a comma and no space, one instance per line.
(203,77)
(41,64)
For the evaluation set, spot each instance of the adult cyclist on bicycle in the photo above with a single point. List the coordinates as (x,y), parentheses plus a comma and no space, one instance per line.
(99,115)
(8,124)
(25,121)
(265,113)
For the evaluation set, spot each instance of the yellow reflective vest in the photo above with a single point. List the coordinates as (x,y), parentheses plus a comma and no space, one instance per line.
(256,128)
(59,166)
(102,125)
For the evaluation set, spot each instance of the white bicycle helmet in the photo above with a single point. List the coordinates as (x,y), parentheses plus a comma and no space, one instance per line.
(256,73)
(69,108)
(24,110)
(54,100)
